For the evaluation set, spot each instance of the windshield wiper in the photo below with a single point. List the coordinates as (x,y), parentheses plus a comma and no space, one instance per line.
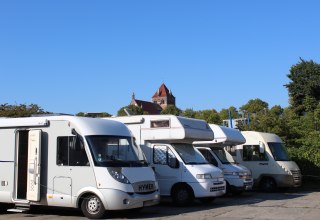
(195,163)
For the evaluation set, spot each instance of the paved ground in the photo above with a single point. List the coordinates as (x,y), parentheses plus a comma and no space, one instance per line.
(302,205)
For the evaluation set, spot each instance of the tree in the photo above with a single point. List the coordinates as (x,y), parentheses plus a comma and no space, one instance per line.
(135,110)
(254,106)
(189,113)
(224,113)
(21,110)
(210,116)
(94,115)
(171,110)
(304,88)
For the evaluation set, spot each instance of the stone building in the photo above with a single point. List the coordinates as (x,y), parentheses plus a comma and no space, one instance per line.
(159,101)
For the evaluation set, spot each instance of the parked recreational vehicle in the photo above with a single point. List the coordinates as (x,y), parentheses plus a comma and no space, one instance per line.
(265,155)
(238,177)
(182,172)
(69,161)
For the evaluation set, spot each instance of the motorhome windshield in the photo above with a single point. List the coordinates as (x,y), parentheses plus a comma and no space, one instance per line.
(189,154)
(115,151)
(220,153)
(278,151)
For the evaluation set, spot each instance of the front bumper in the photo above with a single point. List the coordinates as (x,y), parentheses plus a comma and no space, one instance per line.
(208,189)
(119,200)
(238,184)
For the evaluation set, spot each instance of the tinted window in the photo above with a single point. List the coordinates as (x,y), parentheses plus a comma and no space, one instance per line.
(278,151)
(252,153)
(115,151)
(71,152)
(209,157)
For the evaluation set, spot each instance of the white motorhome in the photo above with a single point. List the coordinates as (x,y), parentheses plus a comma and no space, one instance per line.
(238,177)
(265,155)
(182,172)
(69,161)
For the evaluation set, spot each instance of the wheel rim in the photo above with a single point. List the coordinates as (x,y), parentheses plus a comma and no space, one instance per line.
(93,205)
(269,185)
(182,195)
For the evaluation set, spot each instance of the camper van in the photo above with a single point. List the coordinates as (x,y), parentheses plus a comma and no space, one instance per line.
(69,161)
(238,177)
(181,171)
(265,155)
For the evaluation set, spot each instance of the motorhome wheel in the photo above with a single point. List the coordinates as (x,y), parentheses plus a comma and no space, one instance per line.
(268,184)
(182,195)
(92,207)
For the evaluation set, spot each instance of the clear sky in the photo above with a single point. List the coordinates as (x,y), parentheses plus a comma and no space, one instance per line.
(75,56)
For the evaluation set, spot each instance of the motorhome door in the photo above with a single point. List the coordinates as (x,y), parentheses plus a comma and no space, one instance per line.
(166,168)
(33,176)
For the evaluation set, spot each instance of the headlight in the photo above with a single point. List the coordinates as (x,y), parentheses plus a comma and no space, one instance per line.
(115,172)
(204,176)
(231,173)
(245,175)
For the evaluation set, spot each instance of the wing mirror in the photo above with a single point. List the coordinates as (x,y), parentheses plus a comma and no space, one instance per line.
(261,147)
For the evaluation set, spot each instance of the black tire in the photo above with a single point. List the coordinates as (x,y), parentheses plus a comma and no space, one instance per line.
(267,184)
(228,189)
(3,208)
(182,195)
(92,207)
(207,200)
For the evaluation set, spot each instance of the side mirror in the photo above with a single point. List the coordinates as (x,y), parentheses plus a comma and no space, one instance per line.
(173,162)
(261,147)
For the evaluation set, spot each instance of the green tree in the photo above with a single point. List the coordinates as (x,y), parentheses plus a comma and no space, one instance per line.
(171,110)
(135,110)
(304,87)
(21,110)
(254,106)
(94,115)
(210,116)
(189,113)
(224,113)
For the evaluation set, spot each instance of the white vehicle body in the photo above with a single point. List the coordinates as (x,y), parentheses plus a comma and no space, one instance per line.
(238,177)
(53,161)
(181,171)
(265,155)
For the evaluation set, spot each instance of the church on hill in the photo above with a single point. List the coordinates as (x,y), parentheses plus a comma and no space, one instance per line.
(159,101)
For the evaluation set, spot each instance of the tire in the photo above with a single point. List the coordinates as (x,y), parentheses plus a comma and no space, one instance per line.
(268,184)
(182,195)
(207,200)
(3,208)
(228,189)
(92,207)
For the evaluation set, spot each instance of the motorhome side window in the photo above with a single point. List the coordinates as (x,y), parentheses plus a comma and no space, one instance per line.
(71,152)
(162,155)
(252,153)
(160,124)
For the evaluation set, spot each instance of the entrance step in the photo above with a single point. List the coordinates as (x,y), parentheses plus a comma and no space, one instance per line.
(20,207)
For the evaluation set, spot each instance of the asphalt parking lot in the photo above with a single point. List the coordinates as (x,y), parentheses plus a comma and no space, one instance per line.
(252,205)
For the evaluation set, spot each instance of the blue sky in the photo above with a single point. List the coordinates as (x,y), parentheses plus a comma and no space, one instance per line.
(90,56)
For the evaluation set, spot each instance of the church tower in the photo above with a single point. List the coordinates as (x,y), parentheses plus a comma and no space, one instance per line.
(164,97)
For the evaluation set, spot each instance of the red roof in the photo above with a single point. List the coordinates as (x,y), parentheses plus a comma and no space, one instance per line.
(163,91)
(151,108)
